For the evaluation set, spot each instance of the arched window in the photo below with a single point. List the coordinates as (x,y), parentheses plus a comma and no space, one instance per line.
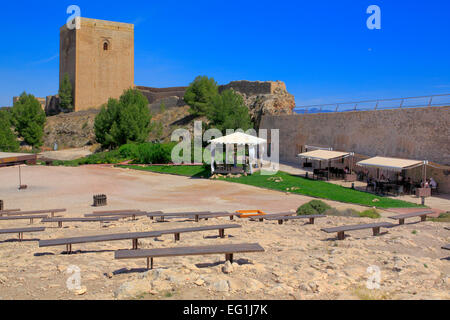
(105,46)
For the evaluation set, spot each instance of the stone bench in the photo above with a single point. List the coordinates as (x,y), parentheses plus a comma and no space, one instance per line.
(21,231)
(229,250)
(423,215)
(341,230)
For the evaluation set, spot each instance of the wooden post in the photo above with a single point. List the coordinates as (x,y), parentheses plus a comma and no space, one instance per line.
(150,263)
(311,220)
(341,235)
(177,237)
(376,231)
(59,224)
(423,218)
(280,222)
(222,233)
(196,218)
(401,222)
(229,257)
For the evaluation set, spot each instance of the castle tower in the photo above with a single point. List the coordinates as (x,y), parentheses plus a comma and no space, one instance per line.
(99,58)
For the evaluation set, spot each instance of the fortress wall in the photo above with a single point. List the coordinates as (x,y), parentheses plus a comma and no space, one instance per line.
(414,133)
(255,87)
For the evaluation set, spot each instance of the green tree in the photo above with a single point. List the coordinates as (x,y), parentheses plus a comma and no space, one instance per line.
(29,119)
(228,111)
(65,94)
(200,94)
(8,140)
(124,120)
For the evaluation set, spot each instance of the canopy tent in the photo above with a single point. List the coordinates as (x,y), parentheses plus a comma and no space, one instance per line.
(392,164)
(240,139)
(325,155)
(328,155)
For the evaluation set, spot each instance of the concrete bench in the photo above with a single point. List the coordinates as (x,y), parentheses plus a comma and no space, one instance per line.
(282,219)
(24,218)
(21,231)
(341,230)
(99,238)
(221,228)
(38,212)
(423,215)
(228,250)
(61,220)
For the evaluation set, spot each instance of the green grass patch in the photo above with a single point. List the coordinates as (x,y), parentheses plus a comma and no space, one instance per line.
(445,217)
(371,213)
(319,189)
(189,171)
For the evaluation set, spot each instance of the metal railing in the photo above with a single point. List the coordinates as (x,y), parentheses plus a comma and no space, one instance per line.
(438,100)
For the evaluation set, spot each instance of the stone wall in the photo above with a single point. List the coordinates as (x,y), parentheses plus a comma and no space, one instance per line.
(255,87)
(415,133)
(156,94)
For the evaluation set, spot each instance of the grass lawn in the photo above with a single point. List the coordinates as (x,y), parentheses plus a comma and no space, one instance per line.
(189,171)
(317,189)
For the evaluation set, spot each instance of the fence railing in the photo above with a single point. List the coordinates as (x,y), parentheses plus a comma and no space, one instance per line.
(437,100)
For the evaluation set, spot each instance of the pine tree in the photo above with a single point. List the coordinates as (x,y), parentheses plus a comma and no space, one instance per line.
(65,94)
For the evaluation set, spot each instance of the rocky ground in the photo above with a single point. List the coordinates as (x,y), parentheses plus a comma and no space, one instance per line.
(299,262)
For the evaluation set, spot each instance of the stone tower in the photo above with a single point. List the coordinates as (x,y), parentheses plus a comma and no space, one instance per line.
(99,58)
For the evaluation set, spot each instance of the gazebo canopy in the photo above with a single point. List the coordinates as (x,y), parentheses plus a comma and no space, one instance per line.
(323,155)
(393,164)
(239,138)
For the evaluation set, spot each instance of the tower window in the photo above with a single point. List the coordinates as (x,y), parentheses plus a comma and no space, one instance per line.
(105,46)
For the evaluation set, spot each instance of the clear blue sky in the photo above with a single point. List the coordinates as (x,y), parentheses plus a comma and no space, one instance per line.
(321,49)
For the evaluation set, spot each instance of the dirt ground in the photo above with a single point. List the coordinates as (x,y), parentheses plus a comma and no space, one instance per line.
(299,262)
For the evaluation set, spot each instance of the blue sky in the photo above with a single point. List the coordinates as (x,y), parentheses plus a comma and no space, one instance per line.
(321,49)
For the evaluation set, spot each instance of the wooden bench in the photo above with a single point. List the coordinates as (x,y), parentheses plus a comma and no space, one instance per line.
(447,247)
(123,215)
(215,215)
(38,212)
(272,215)
(61,220)
(21,231)
(221,228)
(2,212)
(423,215)
(447,228)
(99,238)
(341,230)
(228,250)
(195,215)
(24,218)
(282,219)
(116,211)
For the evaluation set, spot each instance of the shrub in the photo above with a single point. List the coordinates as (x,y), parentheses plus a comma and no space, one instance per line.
(319,206)
(342,213)
(129,151)
(155,153)
(371,213)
